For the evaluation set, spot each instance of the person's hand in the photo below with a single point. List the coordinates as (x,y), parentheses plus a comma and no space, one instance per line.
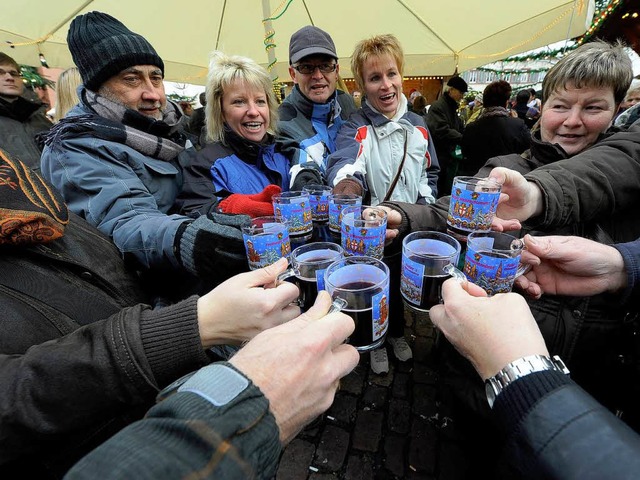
(394,219)
(212,247)
(502,225)
(572,266)
(489,331)
(519,198)
(240,308)
(255,205)
(298,365)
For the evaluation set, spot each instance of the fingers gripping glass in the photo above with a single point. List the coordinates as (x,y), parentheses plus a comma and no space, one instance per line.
(308,69)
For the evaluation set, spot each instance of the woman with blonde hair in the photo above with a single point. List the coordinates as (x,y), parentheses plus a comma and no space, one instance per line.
(384,152)
(66,92)
(239,170)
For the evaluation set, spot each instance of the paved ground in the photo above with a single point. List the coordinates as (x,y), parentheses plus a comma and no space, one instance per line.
(386,426)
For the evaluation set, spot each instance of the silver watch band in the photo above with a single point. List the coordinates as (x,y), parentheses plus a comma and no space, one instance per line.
(520,368)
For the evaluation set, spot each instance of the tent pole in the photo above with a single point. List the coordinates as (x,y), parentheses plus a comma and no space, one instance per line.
(268,28)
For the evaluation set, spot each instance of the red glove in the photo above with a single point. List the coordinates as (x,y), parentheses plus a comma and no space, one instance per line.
(254,205)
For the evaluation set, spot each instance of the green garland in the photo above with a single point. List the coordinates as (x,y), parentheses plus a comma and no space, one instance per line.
(33,79)
(604,8)
(181,98)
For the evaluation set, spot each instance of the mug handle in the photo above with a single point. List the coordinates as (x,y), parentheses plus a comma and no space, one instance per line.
(288,273)
(337,305)
(455,273)
(522,267)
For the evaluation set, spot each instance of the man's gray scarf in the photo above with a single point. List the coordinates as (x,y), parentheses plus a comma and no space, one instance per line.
(115,122)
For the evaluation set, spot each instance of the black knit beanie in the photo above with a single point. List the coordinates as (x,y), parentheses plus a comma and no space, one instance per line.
(102,46)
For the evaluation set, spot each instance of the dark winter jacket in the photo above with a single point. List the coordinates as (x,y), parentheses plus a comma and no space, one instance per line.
(236,166)
(586,332)
(80,355)
(20,123)
(446,127)
(490,136)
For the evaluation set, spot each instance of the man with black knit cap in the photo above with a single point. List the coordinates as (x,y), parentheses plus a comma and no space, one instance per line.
(314,111)
(114,159)
(446,127)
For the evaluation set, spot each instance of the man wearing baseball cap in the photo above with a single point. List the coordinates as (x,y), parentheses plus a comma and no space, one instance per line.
(446,127)
(114,159)
(311,115)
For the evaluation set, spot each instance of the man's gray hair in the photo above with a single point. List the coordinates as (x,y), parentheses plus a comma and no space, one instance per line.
(223,71)
(594,64)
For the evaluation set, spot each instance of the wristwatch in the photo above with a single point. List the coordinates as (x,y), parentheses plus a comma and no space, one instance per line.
(518,369)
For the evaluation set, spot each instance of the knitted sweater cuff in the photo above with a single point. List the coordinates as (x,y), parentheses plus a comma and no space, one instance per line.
(171,340)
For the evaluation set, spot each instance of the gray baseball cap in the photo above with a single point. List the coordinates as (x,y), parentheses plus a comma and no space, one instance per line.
(310,40)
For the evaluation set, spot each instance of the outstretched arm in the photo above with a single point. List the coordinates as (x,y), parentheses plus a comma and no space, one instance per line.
(230,420)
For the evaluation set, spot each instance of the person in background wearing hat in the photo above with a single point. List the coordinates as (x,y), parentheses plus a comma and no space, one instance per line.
(314,111)
(21,120)
(114,159)
(446,127)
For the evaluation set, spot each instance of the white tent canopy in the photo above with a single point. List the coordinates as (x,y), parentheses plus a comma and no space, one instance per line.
(438,37)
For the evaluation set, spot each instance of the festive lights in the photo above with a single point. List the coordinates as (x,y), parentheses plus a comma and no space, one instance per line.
(604,8)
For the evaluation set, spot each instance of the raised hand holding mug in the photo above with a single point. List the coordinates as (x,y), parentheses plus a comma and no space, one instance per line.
(308,264)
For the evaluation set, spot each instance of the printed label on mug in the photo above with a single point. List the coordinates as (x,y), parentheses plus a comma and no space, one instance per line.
(380,314)
(363,241)
(335,216)
(297,214)
(411,280)
(472,211)
(320,279)
(266,248)
(493,271)
(319,207)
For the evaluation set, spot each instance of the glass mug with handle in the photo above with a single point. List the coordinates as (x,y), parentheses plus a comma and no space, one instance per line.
(426,257)
(363,231)
(363,283)
(295,208)
(338,202)
(493,262)
(473,205)
(319,201)
(266,239)
(308,264)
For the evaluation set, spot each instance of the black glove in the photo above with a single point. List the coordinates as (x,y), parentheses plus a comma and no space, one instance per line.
(309,175)
(212,248)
